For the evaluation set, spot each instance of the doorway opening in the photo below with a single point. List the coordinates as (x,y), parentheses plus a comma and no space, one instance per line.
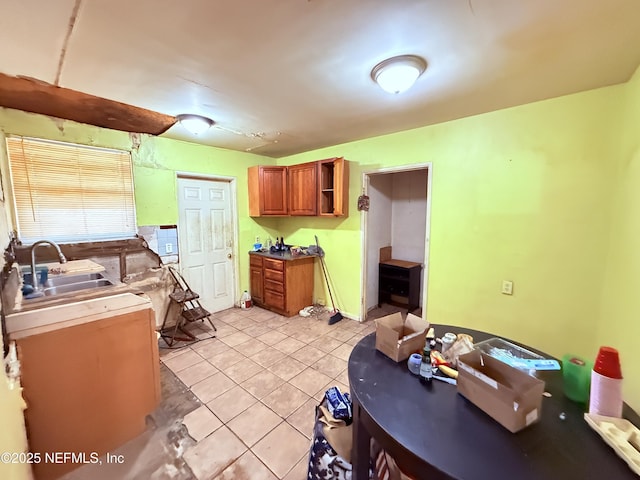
(396,224)
(208,233)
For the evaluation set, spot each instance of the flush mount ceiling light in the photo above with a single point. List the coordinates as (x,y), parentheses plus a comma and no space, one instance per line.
(196,124)
(397,74)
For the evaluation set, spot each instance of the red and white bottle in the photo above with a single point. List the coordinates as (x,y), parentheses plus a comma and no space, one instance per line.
(606,384)
(245,301)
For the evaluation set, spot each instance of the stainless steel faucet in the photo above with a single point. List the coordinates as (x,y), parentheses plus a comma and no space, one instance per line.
(63,259)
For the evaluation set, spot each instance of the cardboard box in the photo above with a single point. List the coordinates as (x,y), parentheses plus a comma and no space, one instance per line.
(510,396)
(398,338)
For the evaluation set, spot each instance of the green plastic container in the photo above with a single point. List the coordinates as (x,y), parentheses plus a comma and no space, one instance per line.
(576,372)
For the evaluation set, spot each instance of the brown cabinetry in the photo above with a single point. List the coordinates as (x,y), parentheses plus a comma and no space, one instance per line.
(89,387)
(318,188)
(267,191)
(255,273)
(283,285)
(303,189)
(334,187)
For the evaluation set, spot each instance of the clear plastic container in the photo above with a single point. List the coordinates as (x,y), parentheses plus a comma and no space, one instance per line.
(508,352)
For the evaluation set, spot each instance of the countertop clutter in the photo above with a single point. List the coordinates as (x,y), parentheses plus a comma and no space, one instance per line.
(492,399)
(285,255)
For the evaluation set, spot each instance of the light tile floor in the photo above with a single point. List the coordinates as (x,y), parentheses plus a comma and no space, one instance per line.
(259,381)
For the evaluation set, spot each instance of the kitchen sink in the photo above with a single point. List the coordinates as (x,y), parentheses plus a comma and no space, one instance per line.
(56,285)
(74,287)
(56,281)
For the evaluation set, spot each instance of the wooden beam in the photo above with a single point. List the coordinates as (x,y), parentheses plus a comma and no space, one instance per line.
(36,96)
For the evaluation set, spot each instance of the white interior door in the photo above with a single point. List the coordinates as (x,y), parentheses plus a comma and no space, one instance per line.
(205,232)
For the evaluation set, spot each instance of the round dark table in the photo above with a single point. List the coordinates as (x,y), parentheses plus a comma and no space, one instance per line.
(434,433)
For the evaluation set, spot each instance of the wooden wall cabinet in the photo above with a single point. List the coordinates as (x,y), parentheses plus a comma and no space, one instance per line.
(303,189)
(333,193)
(283,286)
(268,191)
(318,188)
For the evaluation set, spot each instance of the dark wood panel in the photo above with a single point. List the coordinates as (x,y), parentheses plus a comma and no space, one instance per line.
(35,96)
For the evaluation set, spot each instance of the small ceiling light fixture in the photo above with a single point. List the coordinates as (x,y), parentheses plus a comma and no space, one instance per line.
(397,74)
(196,124)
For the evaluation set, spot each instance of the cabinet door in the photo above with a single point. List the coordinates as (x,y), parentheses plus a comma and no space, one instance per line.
(333,195)
(256,278)
(273,190)
(89,387)
(257,293)
(303,188)
(267,191)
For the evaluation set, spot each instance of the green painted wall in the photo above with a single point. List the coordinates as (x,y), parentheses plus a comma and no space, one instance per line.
(541,194)
(523,194)
(155,164)
(619,322)
(13,437)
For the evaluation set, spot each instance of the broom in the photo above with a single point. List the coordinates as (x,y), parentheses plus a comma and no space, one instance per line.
(337,316)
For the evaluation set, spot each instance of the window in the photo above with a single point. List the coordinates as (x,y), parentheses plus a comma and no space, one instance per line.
(67,192)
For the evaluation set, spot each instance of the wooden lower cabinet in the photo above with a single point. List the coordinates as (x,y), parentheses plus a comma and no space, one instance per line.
(88,388)
(283,285)
(255,272)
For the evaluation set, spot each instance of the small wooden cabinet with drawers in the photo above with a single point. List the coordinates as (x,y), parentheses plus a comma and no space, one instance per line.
(399,278)
(283,285)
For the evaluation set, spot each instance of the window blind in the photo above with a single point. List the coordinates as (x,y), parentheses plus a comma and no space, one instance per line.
(67,192)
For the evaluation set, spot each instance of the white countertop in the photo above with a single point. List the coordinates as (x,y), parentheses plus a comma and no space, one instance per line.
(32,322)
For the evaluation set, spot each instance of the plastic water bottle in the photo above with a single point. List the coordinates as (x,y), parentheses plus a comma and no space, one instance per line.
(245,300)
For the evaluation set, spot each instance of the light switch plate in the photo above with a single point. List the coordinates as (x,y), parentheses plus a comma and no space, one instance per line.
(507,287)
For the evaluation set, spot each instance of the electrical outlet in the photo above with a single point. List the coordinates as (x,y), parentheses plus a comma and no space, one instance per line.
(168,247)
(507,287)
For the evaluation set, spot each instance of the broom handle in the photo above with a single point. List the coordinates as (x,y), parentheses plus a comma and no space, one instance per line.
(326,279)
(324,270)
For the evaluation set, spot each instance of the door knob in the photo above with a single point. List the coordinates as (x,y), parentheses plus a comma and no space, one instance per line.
(228,255)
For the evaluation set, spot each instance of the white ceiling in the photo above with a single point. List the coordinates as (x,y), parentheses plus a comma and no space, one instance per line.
(285,76)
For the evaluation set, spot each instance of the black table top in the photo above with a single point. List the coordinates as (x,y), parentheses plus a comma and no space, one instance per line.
(453,438)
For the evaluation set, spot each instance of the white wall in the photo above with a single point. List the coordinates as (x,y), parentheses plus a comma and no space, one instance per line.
(409,215)
(378,230)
